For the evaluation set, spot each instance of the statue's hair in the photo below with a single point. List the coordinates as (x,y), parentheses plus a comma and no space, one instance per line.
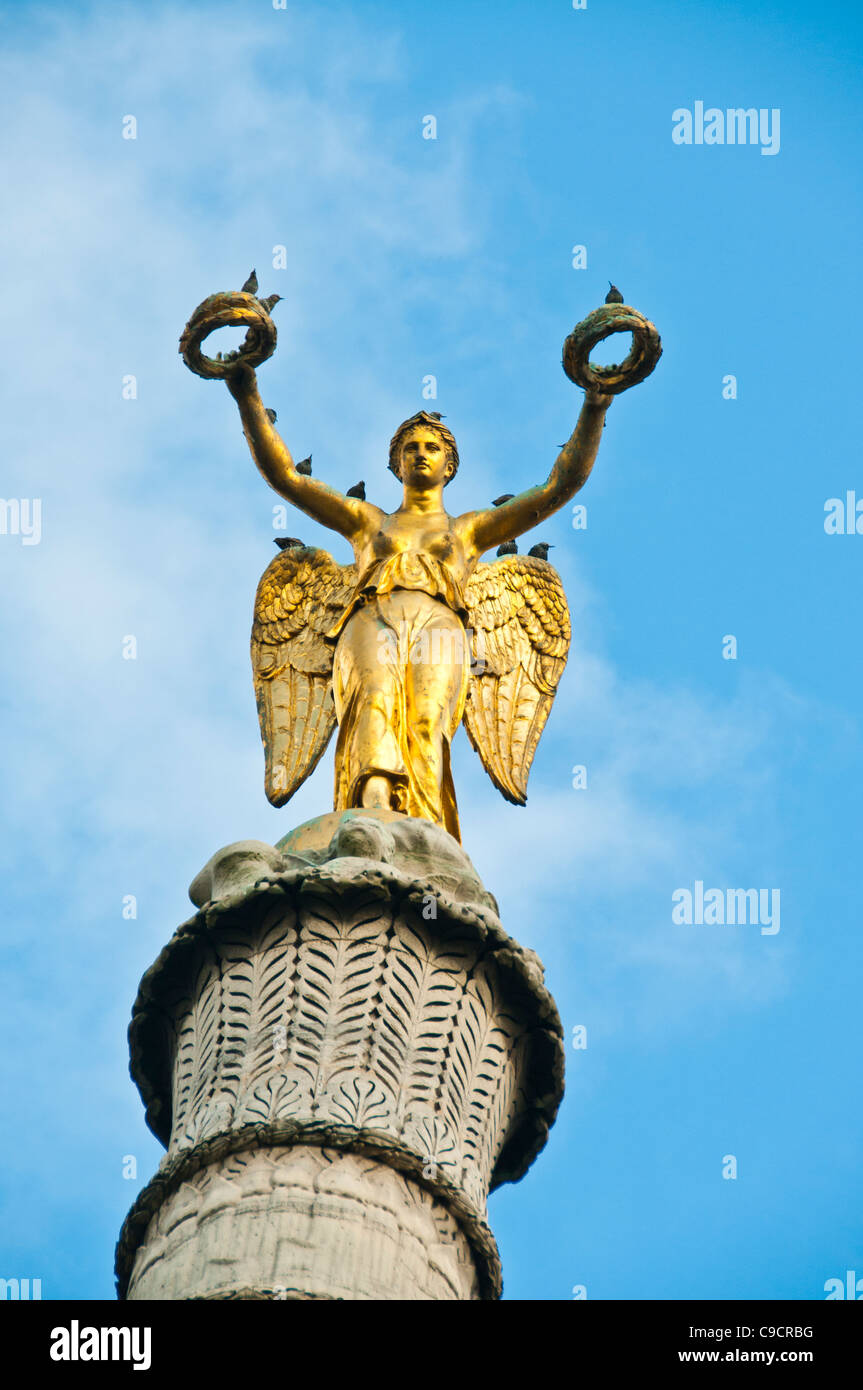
(431,422)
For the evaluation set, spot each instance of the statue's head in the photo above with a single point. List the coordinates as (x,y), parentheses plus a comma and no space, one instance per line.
(423,429)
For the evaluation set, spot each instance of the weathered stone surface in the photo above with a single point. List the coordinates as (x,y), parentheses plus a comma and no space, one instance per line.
(303,1223)
(341,1004)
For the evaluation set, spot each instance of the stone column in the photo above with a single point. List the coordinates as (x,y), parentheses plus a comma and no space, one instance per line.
(344,1053)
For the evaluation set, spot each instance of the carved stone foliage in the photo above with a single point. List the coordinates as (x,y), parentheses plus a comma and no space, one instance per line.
(346,1005)
(347,1010)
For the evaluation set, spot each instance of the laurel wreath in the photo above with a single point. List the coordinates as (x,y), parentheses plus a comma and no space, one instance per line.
(643,356)
(228,310)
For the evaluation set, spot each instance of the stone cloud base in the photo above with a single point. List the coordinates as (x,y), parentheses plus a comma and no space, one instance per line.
(344,1053)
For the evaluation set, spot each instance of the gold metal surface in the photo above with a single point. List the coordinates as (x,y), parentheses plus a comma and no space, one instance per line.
(417,634)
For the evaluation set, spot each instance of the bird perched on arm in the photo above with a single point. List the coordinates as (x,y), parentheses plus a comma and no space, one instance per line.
(270,414)
(304,467)
(504,497)
(251,285)
(508,548)
(358,490)
(540,550)
(614,296)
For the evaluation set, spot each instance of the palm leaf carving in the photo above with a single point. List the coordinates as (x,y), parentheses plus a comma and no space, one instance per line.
(195,1069)
(481,1038)
(417,1004)
(337,963)
(257,974)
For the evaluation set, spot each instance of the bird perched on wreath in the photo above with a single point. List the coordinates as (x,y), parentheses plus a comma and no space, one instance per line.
(288,542)
(540,550)
(270,302)
(614,296)
(251,285)
(508,548)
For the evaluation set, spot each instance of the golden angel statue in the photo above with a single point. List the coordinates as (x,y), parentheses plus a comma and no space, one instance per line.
(418,633)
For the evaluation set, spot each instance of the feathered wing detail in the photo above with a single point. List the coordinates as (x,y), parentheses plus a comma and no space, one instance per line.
(520,634)
(300,597)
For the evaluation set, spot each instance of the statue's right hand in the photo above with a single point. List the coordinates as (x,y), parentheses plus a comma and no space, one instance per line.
(241,381)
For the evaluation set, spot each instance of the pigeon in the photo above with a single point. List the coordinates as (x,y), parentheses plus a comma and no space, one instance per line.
(540,551)
(358,490)
(270,302)
(504,497)
(614,296)
(305,467)
(251,285)
(271,415)
(508,548)
(288,542)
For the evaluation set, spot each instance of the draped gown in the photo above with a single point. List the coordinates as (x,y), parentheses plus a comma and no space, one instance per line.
(400,677)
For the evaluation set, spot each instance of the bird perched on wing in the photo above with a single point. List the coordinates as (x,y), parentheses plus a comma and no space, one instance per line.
(270,302)
(540,551)
(358,490)
(614,296)
(270,414)
(251,285)
(508,548)
(504,497)
(287,542)
(305,467)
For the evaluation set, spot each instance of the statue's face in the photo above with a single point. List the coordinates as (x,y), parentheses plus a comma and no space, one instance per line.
(423,461)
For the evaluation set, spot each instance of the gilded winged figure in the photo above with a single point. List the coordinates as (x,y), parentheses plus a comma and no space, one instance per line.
(418,633)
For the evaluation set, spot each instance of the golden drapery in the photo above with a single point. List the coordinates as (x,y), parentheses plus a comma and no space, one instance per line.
(400,676)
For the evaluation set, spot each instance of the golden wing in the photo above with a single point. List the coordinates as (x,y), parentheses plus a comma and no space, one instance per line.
(520,634)
(300,596)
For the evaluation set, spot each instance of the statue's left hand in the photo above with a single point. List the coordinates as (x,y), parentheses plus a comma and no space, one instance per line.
(241,381)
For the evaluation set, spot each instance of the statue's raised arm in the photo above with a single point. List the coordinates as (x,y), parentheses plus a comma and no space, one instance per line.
(241,308)
(572,468)
(570,472)
(317,499)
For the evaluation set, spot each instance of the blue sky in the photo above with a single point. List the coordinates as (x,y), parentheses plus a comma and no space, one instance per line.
(407,257)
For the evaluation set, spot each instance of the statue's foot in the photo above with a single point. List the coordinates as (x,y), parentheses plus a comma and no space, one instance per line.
(377,794)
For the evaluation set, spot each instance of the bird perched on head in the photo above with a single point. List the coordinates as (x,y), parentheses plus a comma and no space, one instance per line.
(270,302)
(614,296)
(540,551)
(270,414)
(504,497)
(251,285)
(435,414)
(508,548)
(287,542)
(305,467)
(358,490)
